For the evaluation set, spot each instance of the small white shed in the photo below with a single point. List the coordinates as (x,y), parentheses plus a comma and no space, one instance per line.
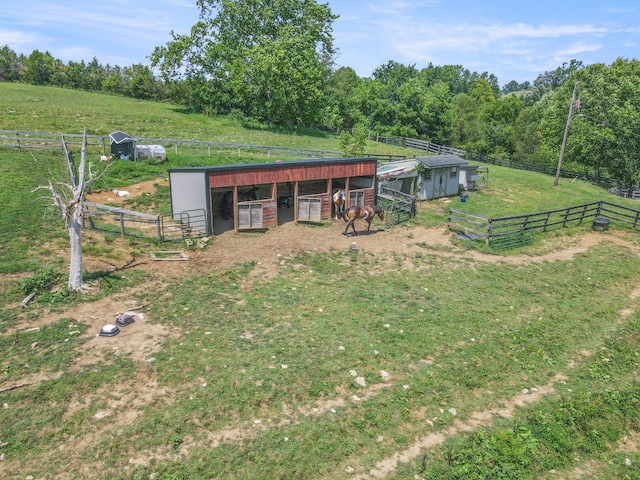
(424,177)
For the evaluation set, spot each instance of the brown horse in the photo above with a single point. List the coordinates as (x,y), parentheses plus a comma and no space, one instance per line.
(366,212)
(339,201)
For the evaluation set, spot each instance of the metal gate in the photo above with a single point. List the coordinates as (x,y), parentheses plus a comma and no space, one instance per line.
(177,227)
(398,206)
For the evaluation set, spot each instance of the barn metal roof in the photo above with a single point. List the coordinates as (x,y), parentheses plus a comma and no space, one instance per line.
(436,161)
(398,169)
(274,165)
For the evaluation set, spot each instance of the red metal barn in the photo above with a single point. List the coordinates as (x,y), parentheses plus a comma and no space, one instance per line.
(264,195)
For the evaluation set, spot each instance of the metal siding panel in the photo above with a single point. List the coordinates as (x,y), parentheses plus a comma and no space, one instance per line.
(188,191)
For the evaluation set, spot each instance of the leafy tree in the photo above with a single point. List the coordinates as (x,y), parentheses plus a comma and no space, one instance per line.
(456,77)
(499,120)
(340,89)
(603,138)
(469,115)
(139,82)
(353,144)
(527,137)
(40,68)
(267,58)
(9,65)
(550,81)
(436,112)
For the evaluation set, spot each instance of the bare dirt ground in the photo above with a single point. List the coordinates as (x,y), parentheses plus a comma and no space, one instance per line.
(270,250)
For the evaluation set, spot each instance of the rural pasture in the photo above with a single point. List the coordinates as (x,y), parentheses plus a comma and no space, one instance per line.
(302,353)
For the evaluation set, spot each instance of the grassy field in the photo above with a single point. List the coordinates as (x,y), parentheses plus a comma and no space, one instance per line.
(441,363)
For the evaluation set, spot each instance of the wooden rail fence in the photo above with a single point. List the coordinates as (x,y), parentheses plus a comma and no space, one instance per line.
(101,144)
(128,223)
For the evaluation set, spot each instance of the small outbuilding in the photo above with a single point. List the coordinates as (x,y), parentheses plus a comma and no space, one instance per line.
(264,195)
(123,145)
(424,177)
(473,177)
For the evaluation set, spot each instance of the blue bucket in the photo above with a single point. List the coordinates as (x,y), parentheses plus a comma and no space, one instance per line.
(463,197)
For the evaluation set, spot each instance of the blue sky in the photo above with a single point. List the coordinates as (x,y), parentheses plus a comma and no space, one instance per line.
(514,40)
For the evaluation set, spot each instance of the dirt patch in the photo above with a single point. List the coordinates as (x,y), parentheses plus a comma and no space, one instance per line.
(110,197)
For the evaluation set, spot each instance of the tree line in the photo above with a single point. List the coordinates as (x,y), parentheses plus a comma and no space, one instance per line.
(274,61)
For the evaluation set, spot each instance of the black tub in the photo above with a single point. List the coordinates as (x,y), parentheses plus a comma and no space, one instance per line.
(600,224)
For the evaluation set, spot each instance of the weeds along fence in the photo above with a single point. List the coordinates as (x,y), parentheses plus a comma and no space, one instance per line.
(510,232)
(128,223)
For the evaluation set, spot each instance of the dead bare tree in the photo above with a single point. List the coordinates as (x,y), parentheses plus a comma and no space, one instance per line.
(68,198)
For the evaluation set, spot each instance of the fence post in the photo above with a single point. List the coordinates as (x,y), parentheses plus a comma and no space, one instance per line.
(158,229)
(122,224)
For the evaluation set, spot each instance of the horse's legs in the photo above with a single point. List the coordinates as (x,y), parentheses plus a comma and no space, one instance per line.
(350,223)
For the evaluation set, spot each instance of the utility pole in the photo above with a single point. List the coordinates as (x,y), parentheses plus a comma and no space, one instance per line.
(566,134)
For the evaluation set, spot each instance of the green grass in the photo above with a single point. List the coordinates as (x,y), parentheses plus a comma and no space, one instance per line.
(252,377)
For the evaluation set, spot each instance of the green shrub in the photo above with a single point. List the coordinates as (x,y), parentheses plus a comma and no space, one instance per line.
(40,282)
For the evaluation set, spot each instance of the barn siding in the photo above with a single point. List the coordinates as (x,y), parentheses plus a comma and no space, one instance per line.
(323,175)
(289,174)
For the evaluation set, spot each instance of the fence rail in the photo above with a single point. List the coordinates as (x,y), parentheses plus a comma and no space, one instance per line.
(128,223)
(517,230)
(48,140)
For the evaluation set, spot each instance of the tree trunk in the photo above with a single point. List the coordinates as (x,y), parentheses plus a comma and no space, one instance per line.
(70,206)
(75,237)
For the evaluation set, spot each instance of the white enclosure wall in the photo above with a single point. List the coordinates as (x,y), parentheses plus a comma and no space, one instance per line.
(189,191)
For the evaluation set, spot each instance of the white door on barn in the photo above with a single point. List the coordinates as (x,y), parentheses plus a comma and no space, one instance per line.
(309,209)
(249,215)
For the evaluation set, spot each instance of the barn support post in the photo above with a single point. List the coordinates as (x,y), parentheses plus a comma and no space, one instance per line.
(295,200)
(235,207)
